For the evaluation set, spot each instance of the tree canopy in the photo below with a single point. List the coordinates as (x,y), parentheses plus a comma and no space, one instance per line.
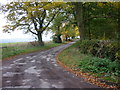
(93,20)
(31,17)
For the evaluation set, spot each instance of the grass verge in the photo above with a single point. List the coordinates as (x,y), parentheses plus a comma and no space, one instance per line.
(18,49)
(92,69)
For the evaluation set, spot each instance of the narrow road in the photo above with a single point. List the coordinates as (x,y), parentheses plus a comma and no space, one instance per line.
(39,70)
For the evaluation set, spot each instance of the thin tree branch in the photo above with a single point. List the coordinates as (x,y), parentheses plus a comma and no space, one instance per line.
(51,20)
(41,19)
(28,28)
(31,30)
(44,14)
(35,24)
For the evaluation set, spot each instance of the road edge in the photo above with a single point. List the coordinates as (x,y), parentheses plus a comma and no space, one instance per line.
(85,76)
(12,57)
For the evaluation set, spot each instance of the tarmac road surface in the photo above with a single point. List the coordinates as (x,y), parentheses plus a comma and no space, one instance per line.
(39,70)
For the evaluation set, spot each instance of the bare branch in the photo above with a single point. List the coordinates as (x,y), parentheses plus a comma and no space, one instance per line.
(51,20)
(44,14)
(31,30)
(35,24)
(28,28)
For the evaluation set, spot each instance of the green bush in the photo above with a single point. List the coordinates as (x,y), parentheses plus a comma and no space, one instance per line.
(101,48)
(107,56)
(98,65)
(103,68)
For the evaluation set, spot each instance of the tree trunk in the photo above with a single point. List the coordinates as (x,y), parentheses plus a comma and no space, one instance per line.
(66,38)
(79,18)
(40,41)
(59,39)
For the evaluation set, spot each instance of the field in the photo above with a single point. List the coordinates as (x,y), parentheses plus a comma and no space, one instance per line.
(12,49)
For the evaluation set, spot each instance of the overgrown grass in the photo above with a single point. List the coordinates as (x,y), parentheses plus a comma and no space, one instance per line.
(22,48)
(102,68)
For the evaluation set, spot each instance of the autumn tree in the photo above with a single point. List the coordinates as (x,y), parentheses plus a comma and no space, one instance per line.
(67,28)
(56,27)
(70,31)
(78,13)
(64,24)
(32,17)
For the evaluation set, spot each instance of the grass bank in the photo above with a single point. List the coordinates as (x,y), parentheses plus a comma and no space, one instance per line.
(100,71)
(13,49)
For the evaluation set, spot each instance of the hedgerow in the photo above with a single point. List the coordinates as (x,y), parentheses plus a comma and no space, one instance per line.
(100,48)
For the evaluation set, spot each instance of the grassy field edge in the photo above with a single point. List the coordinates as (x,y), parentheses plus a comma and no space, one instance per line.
(86,76)
(10,55)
